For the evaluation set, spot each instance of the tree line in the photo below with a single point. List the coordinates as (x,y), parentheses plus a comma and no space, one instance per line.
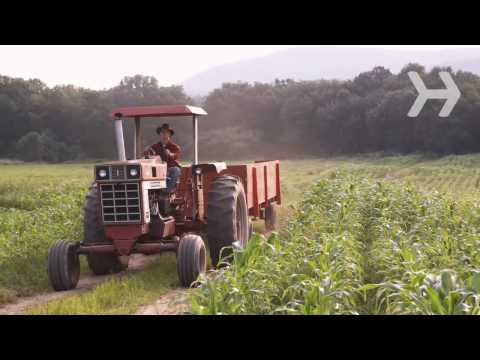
(362,115)
(63,123)
(282,119)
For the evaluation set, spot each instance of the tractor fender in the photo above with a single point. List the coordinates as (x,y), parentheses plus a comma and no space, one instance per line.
(216,167)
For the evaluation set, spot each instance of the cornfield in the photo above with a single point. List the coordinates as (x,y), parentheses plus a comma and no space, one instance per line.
(357,246)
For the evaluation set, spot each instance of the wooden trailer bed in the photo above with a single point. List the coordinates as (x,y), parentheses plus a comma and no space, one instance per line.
(261,181)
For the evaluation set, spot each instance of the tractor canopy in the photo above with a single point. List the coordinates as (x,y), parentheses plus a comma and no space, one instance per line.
(157,111)
(138,112)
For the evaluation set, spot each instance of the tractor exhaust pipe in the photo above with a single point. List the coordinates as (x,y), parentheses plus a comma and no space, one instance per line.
(195,140)
(119,139)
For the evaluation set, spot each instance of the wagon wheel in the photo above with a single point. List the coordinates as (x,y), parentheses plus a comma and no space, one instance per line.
(250,229)
(271,222)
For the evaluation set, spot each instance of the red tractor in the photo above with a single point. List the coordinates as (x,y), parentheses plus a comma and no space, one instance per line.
(128,210)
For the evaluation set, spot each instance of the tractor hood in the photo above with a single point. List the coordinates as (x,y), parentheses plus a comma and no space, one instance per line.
(132,170)
(154,160)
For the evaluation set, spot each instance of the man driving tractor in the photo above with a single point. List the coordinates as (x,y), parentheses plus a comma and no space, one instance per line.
(127,209)
(169,152)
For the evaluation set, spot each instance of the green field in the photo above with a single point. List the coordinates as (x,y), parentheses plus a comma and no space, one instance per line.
(370,234)
(374,236)
(38,204)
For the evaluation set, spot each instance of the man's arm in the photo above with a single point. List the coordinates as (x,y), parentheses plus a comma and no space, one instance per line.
(152,150)
(173,151)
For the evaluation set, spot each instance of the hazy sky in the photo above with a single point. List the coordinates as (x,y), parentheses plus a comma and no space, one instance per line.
(99,66)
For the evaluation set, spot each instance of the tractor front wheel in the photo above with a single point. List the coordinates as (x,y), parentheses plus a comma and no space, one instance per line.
(228,223)
(63,265)
(191,259)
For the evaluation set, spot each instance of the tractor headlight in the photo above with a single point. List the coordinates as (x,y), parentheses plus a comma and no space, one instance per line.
(102,173)
(133,171)
(198,171)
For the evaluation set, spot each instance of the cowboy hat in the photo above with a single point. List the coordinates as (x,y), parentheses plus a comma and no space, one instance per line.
(165,127)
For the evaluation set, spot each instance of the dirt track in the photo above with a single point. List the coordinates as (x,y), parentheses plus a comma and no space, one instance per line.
(137,262)
(174,302)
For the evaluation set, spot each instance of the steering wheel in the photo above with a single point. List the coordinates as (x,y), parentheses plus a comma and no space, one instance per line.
(149,152)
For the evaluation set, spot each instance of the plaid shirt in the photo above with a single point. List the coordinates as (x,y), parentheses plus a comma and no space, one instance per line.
(174,149)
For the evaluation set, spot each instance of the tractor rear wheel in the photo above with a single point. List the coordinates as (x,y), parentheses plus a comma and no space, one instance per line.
(191,259)
(94,234)
(63,265)
(271,217)
(227,212)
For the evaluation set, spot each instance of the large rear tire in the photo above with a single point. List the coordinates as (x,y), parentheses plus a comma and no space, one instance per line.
(191,259)
(63,265)
(227,213)
(94,234)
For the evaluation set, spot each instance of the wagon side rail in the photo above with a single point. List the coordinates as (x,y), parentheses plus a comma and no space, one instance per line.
(263,186)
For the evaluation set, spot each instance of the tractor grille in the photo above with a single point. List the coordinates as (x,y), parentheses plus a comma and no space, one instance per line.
(118,172)
(120,202)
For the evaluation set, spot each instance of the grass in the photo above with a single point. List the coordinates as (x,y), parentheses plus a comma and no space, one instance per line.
(119,295)
(38,205)
(42,203)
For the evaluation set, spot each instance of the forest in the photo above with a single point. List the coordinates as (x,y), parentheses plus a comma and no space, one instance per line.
(283,119)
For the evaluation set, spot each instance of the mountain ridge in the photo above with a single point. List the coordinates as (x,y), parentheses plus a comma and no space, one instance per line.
(327,62)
